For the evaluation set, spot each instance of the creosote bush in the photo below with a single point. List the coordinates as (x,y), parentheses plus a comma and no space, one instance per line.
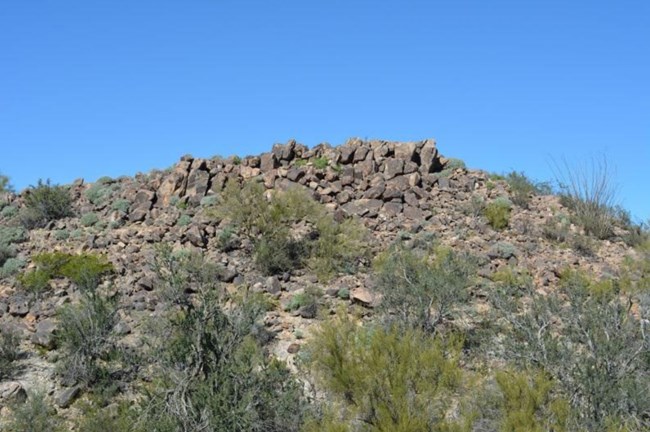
(44,203)
(291,230)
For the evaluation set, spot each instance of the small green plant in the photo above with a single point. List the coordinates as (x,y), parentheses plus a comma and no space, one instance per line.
(184,220)
(226,239)
(44,203)
(100,191)
(9,212)
(61,234)
(308,298)
(497,213)
(5,186)
(85,270)
(522,188)
(89,219)
(588,191)
(420,290)
(9,342)
(320,162)
(236,160)
(209,200)
(35,415)
(11,267)
(121,205)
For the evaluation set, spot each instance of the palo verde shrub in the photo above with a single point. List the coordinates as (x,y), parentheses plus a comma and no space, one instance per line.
(383,379)
(43,203)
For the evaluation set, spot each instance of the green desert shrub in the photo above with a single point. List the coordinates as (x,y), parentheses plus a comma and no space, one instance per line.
(308,298)
(11,267)
(422,290)
(100,191)
(34,415)
(9,212)
(527,403)
(589,192)
(497,213)
(9,341)
(8,237)
(89,219)
(338,247)
(45,202)
(211,369)
(184,220)
(121,205)
(320,163)
(383,379)
(278,252)
(85,270)
(5,186)
(588,342)
(290,229)
(522,188)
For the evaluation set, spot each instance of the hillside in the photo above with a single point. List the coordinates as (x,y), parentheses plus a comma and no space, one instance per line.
(372,233)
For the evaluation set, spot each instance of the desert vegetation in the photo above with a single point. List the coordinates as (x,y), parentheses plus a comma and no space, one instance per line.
(330,291)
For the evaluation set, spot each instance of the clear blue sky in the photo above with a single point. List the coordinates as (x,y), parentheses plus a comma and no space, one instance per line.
(92,88)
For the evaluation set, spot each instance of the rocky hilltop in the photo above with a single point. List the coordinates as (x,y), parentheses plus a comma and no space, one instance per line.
(400,191)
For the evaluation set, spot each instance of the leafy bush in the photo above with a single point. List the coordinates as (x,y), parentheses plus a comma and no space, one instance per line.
(212,370)
(5,186)
(320,163)
(377,379)
(86,338)
(89,219)
(44,203)
(338,246)
(308,298)
(121,205)
(8,237)
(557,228)
(184,220)
(497,213)
(100,191)
(227,240)
(522,188)
(325,245)
(588,342)
(589,193)
(11,267)
(35,415)
(527,403)
(8,351)
(85,270)
(9,212)
(61,234)
(422,291)
(277,252)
